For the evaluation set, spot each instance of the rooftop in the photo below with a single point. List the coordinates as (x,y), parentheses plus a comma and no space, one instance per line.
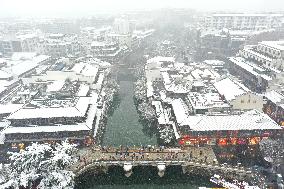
(247,15)
(83,90)
(274,44)
(214,62)
(19,67)
(10,108)
(79,110)
(176,83)
(206,101)
(250,67)
(251,120)
(161,59)
(163,117)
(230,89)
(204,73)
(45,129)
(257,54)
(101,43)
(274,97)
(23,56)
(86,69)
(55,86)
(181,110)
(4,75)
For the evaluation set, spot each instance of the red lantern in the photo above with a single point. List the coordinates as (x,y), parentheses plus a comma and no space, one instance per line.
(254,140)
(186,136)
(181,142)
(233,141)
(241,141)
(222,142)
(266,134)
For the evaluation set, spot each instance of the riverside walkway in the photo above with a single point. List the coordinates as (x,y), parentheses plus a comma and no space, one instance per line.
(192,159)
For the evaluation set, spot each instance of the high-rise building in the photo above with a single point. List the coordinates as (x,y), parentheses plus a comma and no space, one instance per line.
(121,26)
(243,21)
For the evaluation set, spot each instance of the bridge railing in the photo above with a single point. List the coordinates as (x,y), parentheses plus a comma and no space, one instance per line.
(222,167)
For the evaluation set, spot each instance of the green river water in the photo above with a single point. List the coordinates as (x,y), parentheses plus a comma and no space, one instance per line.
(124,128)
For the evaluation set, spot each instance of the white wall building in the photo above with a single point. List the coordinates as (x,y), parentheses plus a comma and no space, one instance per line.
(267,53)
(239,96)
(107,51)
(243,21)
(121,26)
(153,68)
(18,43)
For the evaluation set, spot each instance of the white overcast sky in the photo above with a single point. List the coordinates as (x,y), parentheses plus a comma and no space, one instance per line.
(87,7)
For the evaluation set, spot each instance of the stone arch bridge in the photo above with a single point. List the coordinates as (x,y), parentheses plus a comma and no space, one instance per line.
(194,160)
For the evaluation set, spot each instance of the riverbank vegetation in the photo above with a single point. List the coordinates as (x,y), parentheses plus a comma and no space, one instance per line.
(143,106)
(42,166)
(147,113)
(111,101)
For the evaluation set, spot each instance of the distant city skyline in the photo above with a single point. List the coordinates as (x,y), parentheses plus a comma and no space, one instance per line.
(73,8)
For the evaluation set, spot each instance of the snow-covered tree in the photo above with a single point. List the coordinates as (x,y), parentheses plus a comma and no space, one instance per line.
(42,165)
(272,149)
(140,90)
(110,89)
(147,112)
(166,134)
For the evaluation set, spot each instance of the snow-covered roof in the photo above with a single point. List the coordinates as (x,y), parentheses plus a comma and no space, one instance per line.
(9,108)
(251,120)
(245,15)
(78,67)
(90,70)
(176,83)
(274,96)
(161,59)
(4,84)
(23,56)
(239,61)
(214,62)
(57,35)
(86,69)
(2,60)
(279,45)
(150,89)
(100,80)
(55,86)
(20,67)
(4,124)
(46,129)
(98,43)
(230,89)
(4,75)
(249,66)
(180,109)
(79,110)
(258,54)
(206,101)
(102,44)
(83,90)
(26,36)
(163,117)
(204,73)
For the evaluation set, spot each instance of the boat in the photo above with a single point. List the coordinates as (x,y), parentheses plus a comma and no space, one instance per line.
(218,180)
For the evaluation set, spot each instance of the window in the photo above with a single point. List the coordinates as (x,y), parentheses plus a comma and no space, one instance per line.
(242,101)
(249,101)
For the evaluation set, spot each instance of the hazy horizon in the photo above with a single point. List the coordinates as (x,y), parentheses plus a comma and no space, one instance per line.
(74,8)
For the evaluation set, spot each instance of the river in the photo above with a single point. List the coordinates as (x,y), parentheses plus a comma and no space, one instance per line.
(124,128)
